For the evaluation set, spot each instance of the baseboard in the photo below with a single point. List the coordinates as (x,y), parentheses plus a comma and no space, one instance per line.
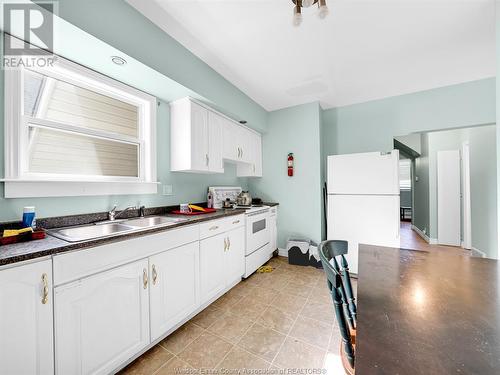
(430,241)
(420,233)
(477,253)
(282,252)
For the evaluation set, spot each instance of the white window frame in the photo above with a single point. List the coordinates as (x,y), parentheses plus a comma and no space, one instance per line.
(19,182)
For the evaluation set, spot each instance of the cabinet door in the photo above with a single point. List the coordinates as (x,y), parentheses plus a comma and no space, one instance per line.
(199,138)
(212,271)
(26,326)
(231,146)
(215,140)
(257,155)
(235,255)
(174,290)
(102,321)
(252,167)
(246,145)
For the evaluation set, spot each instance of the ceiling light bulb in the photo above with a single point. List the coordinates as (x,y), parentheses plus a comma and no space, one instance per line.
(307,3)
(297,16)
(323,11)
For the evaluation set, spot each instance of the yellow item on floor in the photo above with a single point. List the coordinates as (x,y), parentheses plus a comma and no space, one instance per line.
(196,208)
(16,232)
(265,269)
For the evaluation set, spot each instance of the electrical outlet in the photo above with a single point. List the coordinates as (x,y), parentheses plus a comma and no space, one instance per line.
(168,190)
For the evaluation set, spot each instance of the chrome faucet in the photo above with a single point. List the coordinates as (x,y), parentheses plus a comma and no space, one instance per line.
(112,215)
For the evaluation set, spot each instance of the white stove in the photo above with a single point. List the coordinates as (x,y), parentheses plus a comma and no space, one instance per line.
(258,236)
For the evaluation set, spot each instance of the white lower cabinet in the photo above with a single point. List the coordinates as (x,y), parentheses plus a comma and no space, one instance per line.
(26,330)
(97,318)
(174,292)
(222,262)
(235,255)
(212,272)
(102,321)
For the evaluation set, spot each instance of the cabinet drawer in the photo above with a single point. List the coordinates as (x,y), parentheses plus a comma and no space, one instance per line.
(234,222)
(82,263)
(214,227)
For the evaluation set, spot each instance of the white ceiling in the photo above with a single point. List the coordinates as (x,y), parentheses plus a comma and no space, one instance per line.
(364,50)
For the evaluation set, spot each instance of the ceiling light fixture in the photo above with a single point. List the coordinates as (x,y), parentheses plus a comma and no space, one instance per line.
(118,60)
(299,4)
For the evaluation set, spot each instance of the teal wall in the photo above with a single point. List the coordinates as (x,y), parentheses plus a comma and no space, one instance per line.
(297,130)
(483,166)
(118,24)
(421,216)
(371,126)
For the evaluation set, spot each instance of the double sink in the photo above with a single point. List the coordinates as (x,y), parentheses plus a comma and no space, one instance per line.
(109,229)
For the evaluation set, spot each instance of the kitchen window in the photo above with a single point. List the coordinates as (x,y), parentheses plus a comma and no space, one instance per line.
(71,131)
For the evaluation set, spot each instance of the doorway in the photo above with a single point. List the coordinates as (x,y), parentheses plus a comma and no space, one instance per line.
(452,184)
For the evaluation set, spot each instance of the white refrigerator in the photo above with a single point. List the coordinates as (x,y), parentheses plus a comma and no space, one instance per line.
(363,200)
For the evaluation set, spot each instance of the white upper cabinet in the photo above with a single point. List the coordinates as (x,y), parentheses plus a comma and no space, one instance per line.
(202,139)
(195,144)
(26,330)
(231,139)
(253,167)
(215,140)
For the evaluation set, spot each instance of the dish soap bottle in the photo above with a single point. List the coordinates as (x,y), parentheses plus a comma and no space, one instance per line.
(29,219)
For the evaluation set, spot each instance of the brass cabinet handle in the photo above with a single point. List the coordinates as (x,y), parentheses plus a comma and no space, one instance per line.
(155,275)
(214,227)
(45,296)
(228,243)
(225,244)
(236,222)
(206,158)
(145,278)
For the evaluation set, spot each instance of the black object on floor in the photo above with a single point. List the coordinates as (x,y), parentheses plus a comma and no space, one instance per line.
(299,253)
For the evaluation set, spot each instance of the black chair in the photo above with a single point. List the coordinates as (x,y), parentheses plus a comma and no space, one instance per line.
(339,284)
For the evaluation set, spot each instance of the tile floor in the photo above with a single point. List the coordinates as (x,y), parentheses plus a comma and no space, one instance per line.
(275,321)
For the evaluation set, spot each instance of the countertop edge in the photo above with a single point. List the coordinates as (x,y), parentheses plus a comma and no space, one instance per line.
(64,246)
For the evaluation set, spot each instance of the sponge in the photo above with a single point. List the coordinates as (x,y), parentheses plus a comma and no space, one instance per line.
(16,232)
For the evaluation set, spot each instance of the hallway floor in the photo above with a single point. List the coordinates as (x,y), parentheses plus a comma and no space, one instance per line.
(274,322)
(411,240)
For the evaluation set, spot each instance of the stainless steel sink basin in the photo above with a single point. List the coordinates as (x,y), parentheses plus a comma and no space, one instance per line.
(152,221)
(89,232)
(108,229)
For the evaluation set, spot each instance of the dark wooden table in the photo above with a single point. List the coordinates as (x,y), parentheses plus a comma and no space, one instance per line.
(427,313)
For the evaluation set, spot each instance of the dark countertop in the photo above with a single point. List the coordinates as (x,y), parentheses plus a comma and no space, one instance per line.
(427,313)
(50,245)
(270,204)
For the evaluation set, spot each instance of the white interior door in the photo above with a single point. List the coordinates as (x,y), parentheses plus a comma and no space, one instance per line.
(448,197)
(365,173)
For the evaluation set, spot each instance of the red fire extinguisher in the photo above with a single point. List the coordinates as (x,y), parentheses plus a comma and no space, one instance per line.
(290,164)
